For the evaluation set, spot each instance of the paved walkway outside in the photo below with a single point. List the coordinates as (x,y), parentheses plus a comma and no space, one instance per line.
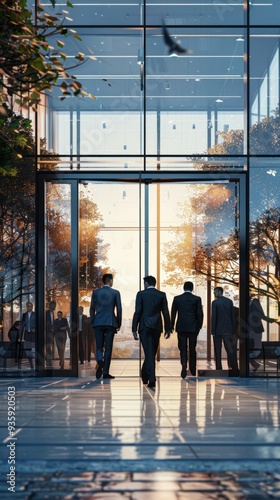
(189,439)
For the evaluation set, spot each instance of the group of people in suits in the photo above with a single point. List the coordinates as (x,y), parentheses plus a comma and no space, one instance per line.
(150,319)
(152,316)
(57,330)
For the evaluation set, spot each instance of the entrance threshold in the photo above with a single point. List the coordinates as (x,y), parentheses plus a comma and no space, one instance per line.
(164,368)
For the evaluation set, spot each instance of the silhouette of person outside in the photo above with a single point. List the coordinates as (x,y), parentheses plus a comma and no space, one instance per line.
(223,328)
(151,304)
(50,319)
(61,329)
(84,337)
(14,338)
(256,329)
(27,336)
(187,308)
(106,319)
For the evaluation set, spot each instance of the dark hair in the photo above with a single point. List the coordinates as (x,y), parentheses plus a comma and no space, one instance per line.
(52,302)
(188,286)
(59,312)
(219,288)
(16,323)
(150,280)
(107,277)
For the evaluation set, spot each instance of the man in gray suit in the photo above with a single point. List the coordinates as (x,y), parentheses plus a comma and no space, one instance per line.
(150,305)
(223,327)
(106,319)
(188,309)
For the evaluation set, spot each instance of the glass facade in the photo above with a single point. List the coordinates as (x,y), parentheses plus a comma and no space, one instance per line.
(168,165)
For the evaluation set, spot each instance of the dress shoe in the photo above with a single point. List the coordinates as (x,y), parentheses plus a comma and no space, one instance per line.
(152,385)
(145,381)
(99,370)
(184,371)
(107,375)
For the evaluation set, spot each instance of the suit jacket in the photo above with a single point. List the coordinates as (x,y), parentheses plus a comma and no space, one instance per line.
(49,325)
(106,307)
(223,316)
(24,321)
(150,305)
(24,327)
(255,316)
(61,323)
(188,309)
(84,323)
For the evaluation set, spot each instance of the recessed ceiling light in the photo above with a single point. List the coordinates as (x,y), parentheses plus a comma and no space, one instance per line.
(219,100)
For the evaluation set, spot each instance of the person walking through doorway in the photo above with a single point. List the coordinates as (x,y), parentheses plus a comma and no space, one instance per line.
(61,329)
(50,319)
(187,308)
(151,304)
(223,327)
(106,319)
(27,336)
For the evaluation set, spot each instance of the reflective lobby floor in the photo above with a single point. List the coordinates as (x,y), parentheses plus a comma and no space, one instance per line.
(198,438)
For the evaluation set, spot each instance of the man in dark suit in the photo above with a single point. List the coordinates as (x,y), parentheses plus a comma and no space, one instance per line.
(223,328)
(27,336)
(50,319)
(106,319)
(61,329)
(150,305)
(188,309)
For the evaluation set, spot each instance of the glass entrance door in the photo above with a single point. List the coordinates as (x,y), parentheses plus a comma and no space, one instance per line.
(174,231)
(110,241)
(193,235)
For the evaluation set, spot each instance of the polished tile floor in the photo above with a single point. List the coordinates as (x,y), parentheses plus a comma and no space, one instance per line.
(198,438)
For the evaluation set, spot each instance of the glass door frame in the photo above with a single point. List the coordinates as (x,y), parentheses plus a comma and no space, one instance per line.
(143,179)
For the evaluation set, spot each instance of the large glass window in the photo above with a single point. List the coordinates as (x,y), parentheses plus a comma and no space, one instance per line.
(264,91)
(109,120)
(264,12)
(193,102)
(216,12)
(57,353)
(264,257)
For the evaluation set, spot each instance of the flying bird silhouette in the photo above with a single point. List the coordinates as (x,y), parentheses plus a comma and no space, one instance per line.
(105,80)
(174,45)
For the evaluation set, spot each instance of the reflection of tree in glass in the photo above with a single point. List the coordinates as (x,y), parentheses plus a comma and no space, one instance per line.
(17,213)
(264,254)
(206,213)
(264,138)
(92,249)
(218,259)
(58,230)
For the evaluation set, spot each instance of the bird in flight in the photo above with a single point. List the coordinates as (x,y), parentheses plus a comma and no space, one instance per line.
(174,45)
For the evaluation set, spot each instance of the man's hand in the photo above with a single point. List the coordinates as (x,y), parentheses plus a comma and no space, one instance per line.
(167,335)
(135,335)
